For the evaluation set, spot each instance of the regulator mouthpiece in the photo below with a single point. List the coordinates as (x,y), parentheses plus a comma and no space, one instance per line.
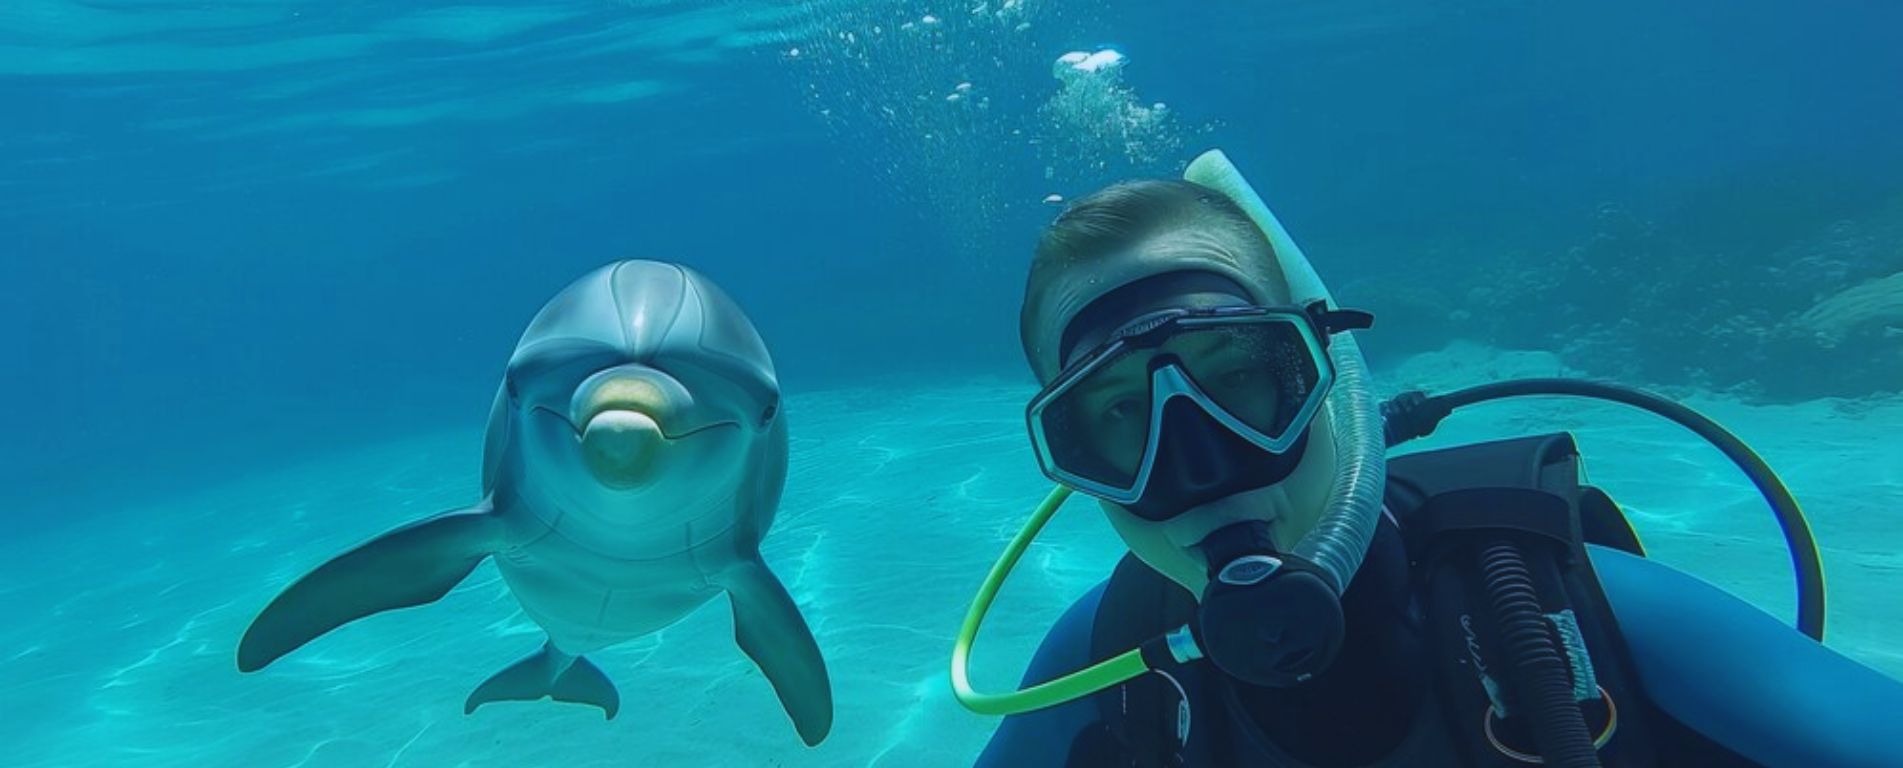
(1266,618)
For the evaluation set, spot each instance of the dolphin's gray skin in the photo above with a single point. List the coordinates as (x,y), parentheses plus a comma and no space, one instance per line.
(634,459)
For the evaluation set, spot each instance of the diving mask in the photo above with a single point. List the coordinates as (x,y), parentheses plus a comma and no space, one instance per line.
(1254,374)
(1154,417)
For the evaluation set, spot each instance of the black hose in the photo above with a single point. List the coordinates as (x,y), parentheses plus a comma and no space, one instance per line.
(1539,679)
(1413,414)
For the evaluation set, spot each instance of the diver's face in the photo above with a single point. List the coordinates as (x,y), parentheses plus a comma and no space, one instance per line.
(1196,396)
(1116,417)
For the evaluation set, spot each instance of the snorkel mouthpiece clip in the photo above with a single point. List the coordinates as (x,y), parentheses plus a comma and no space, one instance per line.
(1328,322)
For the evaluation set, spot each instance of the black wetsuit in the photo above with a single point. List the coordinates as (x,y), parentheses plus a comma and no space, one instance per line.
(1697,677)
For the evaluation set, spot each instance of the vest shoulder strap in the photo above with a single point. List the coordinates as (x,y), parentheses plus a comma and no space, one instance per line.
(1548,463)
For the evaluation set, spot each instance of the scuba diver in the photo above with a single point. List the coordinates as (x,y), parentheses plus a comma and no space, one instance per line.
(1294,597)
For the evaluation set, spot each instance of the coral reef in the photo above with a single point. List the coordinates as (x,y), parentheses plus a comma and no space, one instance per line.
(1676,303)
(1874,303)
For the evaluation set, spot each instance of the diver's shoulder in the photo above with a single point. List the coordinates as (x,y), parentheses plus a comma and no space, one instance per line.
(1060,735)
(1742,679)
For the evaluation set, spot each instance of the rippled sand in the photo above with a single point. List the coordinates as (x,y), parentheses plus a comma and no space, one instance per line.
(119,645)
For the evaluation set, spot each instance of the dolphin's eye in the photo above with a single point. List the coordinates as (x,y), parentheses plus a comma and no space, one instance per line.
(772,409)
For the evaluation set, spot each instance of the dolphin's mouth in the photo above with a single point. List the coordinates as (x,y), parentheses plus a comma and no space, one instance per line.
(625,449)
(670,434)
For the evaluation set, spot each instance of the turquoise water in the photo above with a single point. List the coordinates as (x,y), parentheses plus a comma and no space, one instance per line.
(900,495)
(262,262)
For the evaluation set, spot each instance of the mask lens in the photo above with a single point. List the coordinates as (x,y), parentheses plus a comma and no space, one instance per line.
(1097,428)
(1261,373)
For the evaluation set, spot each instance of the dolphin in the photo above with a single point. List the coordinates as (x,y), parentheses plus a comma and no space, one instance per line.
(634,459)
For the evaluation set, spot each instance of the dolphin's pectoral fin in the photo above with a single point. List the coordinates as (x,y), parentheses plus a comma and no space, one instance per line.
(552,674)
(770,629)
(412,565)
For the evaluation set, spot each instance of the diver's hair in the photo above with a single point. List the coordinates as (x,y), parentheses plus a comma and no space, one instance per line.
(1099,246)
(1121,215)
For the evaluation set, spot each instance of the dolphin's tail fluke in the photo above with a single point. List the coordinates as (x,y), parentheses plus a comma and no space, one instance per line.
(412,565)
(549,673)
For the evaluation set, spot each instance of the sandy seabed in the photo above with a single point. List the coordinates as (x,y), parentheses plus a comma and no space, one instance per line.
(119,650)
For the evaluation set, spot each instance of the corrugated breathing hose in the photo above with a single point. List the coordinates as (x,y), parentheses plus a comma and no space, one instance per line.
(1539,679)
